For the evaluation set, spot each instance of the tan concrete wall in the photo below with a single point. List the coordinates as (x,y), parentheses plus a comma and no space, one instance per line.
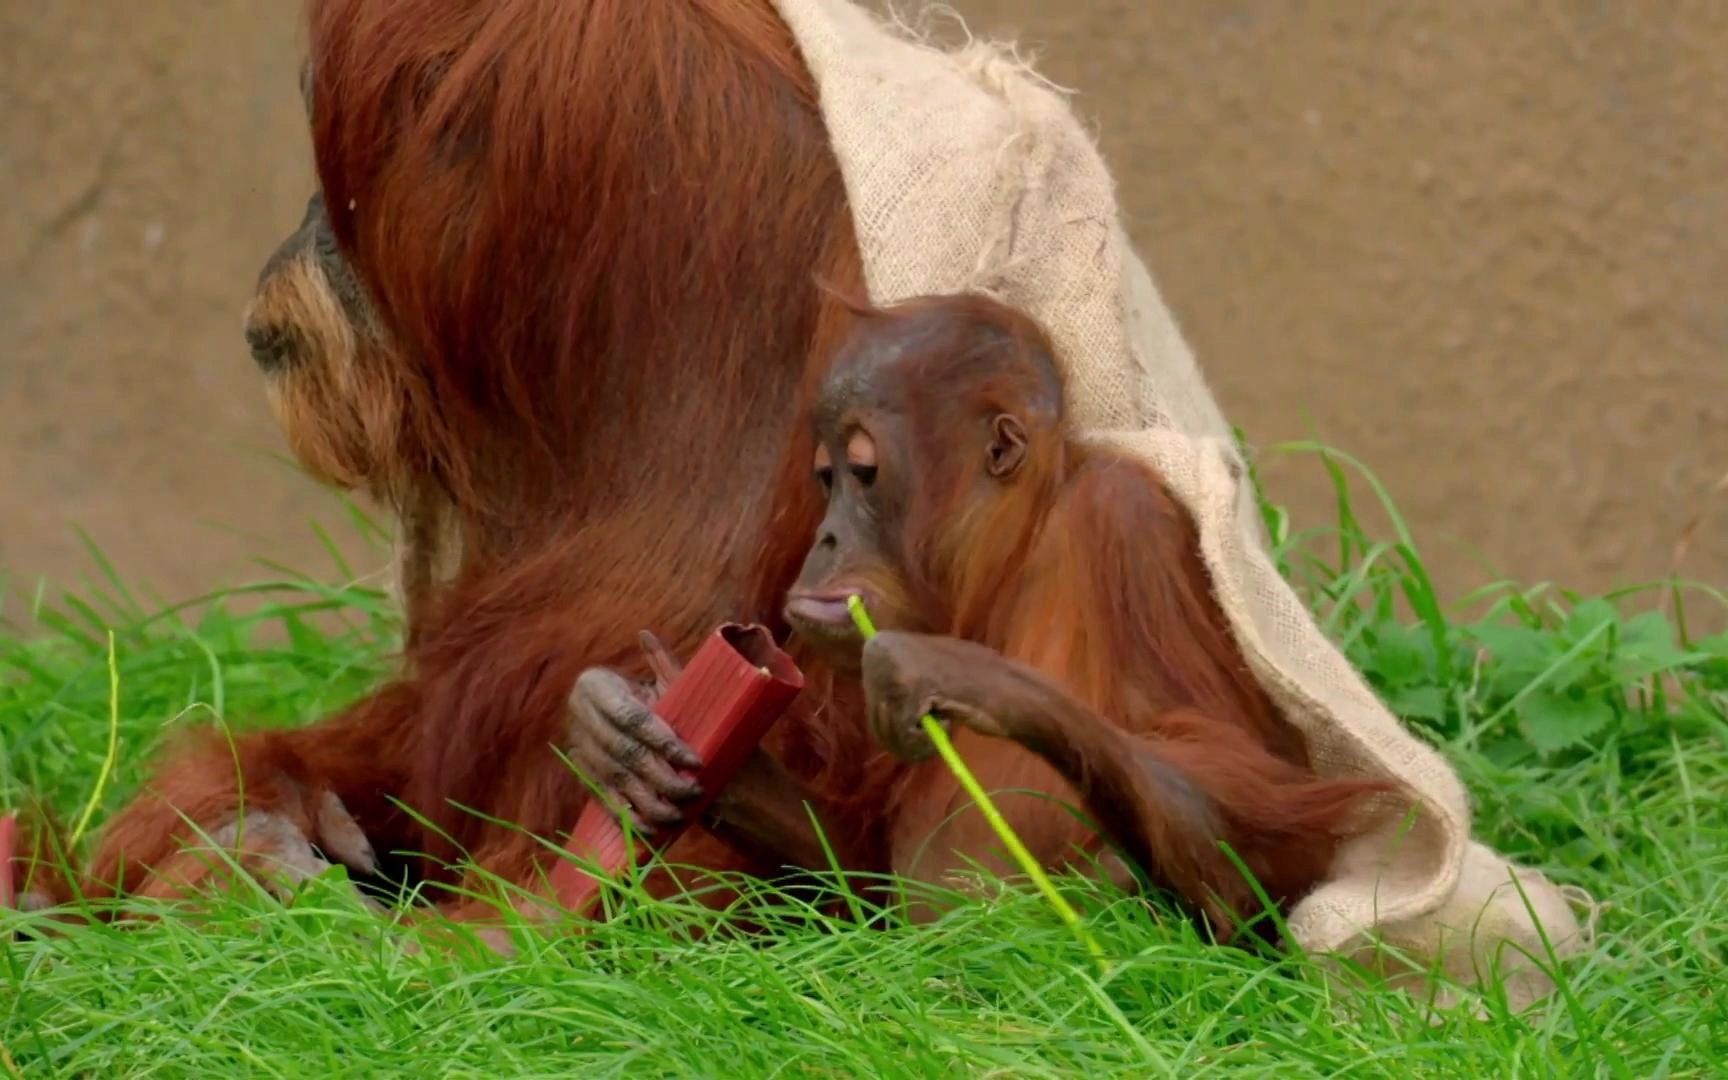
(151,155)
(1482,245)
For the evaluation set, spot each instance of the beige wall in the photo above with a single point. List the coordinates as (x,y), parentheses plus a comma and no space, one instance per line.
(152,155)
(1482,245)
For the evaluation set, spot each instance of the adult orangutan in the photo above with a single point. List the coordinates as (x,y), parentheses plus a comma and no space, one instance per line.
(559,297)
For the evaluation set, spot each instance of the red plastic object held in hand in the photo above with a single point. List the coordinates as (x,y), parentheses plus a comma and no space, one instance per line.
(721,704)
(8,848)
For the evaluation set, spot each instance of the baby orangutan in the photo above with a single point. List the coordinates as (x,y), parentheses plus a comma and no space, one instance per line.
(1046,601)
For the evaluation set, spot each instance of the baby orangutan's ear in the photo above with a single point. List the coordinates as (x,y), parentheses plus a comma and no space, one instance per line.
(1007,450)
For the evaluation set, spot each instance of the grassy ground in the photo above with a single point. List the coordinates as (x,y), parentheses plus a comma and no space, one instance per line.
(1589,730)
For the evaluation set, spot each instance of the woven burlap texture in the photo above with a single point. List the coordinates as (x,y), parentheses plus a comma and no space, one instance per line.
(967,171)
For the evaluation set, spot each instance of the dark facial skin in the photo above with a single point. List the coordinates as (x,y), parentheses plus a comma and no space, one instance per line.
(847,556)
(867,468)
(275,347)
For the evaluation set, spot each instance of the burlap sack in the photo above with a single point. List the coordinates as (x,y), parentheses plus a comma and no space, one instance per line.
(967,171)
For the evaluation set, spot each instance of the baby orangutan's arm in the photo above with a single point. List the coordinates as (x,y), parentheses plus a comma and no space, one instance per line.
(1167,796)
(1164,823)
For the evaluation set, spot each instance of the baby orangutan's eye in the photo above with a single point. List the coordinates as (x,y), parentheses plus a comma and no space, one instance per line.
(860,448)
(824,468)
(861,457)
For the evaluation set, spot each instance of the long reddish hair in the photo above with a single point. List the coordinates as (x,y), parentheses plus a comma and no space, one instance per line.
(595,231)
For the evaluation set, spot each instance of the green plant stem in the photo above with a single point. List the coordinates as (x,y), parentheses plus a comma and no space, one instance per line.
(113,746)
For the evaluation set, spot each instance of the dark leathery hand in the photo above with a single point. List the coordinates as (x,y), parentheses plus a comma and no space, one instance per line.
(898,694)
(632,754)
(288,850)
(908,676)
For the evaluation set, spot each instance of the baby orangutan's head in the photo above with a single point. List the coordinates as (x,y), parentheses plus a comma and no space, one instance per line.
(939,444)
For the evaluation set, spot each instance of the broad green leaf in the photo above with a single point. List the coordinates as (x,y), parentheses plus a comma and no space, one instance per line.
(1418,702)
(1398,655)
(1647,645)
(1508,752)
(1715,645)
(1586,617)
(1553,721)
(1516,650)
(1650,630)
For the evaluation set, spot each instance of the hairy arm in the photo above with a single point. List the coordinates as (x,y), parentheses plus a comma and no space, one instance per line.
(1167,789)
(288,803)
(1161,819)
(766,813)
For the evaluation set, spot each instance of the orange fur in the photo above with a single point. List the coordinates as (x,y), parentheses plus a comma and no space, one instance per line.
(1111,677)
(1116,607)
(590,236)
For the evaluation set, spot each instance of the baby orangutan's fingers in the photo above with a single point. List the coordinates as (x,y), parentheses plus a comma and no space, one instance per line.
(618,721)
(897,721)
(665,666)
(909,676)
(621,745)
(901,733)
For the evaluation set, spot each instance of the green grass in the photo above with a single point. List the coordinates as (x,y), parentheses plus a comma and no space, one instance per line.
(1590,732)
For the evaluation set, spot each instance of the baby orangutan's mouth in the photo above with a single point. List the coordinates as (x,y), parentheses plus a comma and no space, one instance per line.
(823,613)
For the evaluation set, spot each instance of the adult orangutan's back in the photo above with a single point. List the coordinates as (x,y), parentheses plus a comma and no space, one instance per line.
(558,302)
(593,229)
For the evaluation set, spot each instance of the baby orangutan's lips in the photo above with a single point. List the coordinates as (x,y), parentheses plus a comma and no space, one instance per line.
(826,609)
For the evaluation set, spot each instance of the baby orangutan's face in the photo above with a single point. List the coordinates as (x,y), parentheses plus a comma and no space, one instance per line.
(851,553)
(899,499)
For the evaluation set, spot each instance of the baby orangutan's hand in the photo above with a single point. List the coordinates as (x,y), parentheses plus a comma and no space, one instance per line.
(622,745)
(907,676)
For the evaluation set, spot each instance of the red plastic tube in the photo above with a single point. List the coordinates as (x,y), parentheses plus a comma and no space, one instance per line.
(721,704)
(8,848)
